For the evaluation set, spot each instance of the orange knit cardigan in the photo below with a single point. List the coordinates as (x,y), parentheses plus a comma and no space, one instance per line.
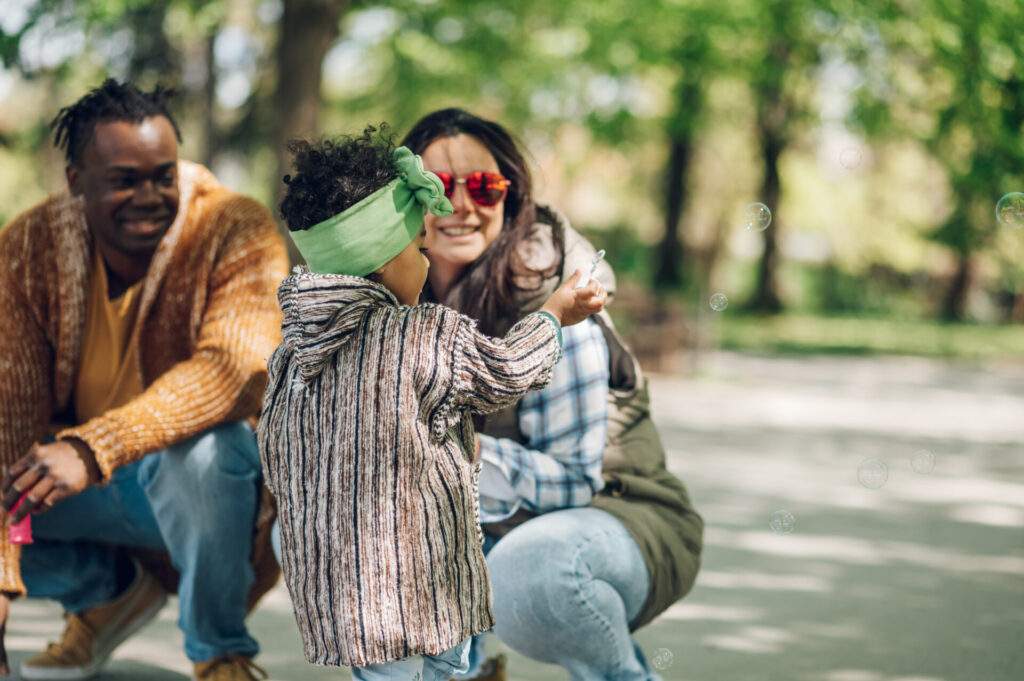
(208,319)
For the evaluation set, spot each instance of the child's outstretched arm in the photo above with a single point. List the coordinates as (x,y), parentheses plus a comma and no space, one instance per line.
(461,370)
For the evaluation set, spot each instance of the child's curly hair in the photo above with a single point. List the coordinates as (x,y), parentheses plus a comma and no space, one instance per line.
(333,174)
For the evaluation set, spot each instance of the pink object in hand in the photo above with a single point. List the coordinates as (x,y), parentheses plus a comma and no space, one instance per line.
(22,532)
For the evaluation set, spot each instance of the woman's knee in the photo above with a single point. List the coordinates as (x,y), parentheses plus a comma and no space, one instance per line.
(539,575)
(539,555)
(573,567)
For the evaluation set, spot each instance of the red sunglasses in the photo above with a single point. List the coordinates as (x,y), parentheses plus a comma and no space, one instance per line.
(486,189)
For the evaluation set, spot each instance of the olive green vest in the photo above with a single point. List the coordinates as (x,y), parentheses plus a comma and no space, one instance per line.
(639,491)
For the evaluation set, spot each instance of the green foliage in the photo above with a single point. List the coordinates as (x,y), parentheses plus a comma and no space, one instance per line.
(853,335)
(612,96)
(632,258)
(948,73)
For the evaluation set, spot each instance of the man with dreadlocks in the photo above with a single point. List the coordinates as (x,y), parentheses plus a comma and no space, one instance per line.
(139,308)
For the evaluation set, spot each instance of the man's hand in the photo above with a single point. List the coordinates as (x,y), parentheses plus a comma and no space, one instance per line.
(49,474)
(5,604)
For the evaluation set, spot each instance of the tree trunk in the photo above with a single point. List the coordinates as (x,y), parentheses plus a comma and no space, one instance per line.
(152,54)
(774,111)
(308,29)
(766,296)
(954,308)
(1017,309)
(670,254)
(211,132)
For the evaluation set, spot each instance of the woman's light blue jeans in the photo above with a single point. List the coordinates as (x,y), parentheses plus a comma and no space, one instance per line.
(566,586)
(198,501)
(418,667)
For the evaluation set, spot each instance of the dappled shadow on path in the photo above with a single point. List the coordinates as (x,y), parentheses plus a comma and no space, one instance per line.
(920,580)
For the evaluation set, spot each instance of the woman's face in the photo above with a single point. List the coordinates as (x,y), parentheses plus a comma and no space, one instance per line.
(455,241)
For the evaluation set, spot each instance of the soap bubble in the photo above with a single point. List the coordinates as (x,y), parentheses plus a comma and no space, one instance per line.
(757,217)
(662,659)
(850,158)
(782,522)
(923,462)
(719,301)
(872,473)
(1010,210)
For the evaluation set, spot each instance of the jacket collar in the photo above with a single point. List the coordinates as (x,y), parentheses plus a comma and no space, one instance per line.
(321,312)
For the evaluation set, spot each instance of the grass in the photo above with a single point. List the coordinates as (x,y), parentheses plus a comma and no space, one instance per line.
(800,334)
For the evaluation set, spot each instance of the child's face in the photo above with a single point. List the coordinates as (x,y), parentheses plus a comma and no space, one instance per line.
(405,274)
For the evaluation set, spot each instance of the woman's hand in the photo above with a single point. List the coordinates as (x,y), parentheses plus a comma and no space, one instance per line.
(570,305)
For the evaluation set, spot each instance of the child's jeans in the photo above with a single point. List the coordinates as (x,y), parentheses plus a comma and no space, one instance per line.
(418,667)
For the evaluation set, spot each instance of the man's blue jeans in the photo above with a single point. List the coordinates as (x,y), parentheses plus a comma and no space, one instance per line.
(566,586)
(196,500)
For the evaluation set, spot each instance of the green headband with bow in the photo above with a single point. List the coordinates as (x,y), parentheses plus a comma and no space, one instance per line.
(367,235)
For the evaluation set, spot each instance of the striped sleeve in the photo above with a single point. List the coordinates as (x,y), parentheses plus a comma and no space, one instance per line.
(474,372)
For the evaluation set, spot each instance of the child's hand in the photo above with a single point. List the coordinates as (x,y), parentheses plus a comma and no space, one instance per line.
(571,305)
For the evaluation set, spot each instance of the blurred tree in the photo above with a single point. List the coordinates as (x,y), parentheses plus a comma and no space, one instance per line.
(412,57)
(152,51)
(780,67)
(640,85)
(237,94)
(123,39)
(691,56)
(951,77)
(308,29)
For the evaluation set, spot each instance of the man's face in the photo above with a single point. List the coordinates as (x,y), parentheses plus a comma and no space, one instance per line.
(128,176)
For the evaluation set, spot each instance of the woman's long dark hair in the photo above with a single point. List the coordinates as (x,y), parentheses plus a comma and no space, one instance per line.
(488,286)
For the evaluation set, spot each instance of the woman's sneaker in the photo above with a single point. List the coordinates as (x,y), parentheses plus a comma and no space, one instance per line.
(491,670)
(90,637)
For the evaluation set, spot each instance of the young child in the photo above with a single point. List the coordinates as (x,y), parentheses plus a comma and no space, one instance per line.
(366,433)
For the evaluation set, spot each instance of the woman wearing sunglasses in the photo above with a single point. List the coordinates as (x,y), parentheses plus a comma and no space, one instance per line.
(588,537)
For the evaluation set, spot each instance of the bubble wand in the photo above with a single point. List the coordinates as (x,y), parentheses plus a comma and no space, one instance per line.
(20,533)
(598,257)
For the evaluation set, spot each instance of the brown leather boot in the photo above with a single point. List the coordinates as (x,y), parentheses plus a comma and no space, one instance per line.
(229,668)
(90,637)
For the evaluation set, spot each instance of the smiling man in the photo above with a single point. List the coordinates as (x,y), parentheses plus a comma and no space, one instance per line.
(138,307)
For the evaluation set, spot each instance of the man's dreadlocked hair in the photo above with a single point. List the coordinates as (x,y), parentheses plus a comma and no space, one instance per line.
(111,101)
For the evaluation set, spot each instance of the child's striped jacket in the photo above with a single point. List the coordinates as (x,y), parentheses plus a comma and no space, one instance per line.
(367,443)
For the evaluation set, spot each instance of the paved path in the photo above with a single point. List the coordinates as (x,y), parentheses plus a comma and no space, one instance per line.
(919,580)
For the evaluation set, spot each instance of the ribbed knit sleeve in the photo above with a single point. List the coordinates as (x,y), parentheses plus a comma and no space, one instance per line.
(224,378)
(474,372)
(25,367)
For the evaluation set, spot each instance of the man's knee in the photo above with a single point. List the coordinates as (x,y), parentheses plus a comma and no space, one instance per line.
(215,472)
(229,450)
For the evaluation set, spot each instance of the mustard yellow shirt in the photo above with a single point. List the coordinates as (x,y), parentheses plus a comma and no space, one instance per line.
(108,375)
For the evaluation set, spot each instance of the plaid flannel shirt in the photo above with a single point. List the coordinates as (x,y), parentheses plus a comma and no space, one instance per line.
(565,425)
